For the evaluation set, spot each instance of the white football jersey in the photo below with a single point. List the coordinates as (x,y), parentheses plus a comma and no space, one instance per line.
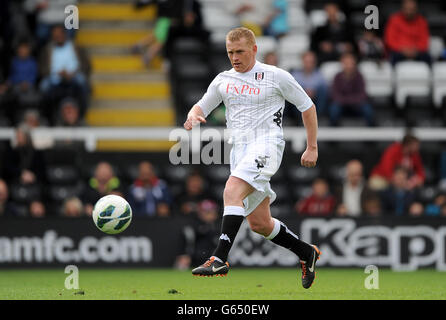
(254,100)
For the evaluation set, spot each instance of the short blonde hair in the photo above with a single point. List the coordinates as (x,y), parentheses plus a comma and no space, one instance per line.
(239,33)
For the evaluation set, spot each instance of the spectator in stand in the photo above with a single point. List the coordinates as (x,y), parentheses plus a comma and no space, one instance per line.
(416,209)
(7,207)
(348,93)
(189,26)
(72,208)
(24,164)
(171,14)
(69,114)
(370,46)
(405,154)
(253,14)
(17,89)
(149,195)
(65,68)
(397,197)
(271,58)
(407,34)
(352,194)
(277,22)
(31,119)
(334,38)
(193,194)
(434,209)
(151,45)
(312,81)
(320,203)
(24,69)
(372,206)
(37,209)
(103,182)
(23,75)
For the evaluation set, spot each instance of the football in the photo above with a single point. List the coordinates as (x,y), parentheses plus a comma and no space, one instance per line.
(112,214)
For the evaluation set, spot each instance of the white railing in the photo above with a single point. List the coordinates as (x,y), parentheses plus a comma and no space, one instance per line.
(45,137)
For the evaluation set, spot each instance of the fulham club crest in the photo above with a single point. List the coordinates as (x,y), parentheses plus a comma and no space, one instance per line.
(259,76)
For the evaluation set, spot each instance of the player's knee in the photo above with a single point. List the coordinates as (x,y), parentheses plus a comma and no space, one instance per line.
(233,194)
(259,226)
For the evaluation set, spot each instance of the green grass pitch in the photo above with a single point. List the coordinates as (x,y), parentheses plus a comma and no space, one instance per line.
(261,283)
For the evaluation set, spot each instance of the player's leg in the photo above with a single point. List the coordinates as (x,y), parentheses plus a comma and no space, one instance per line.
(235,191)
(260,221)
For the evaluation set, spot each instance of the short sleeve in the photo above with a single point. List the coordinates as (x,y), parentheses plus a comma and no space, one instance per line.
(292,91)
(211,99)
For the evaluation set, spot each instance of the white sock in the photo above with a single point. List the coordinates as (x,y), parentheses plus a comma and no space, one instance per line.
(275,231)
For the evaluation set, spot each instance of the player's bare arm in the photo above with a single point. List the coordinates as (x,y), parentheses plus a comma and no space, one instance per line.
(194,117)
(309,157)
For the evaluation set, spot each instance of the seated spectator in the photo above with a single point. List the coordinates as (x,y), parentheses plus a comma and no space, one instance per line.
(397,197)
(271,58)
(348,93)
(372,206)
(149,195)
(190,26)
(169,13)
(103,182)
(416,209)
(405,154)
(7,207)
(24,69)
(277,22)
(69,114)
(151,45)
(253,14)
(434,209)
(334,38)
(370,46)
(407,34)
(31,119)
(23,75)
(319,203)
(65,69)
(24,164)
(37,209)
(352,194)
(72,208)
(312,81)
(194,193)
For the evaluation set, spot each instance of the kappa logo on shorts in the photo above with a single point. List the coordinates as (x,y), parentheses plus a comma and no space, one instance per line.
(259,76)
(261,161)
